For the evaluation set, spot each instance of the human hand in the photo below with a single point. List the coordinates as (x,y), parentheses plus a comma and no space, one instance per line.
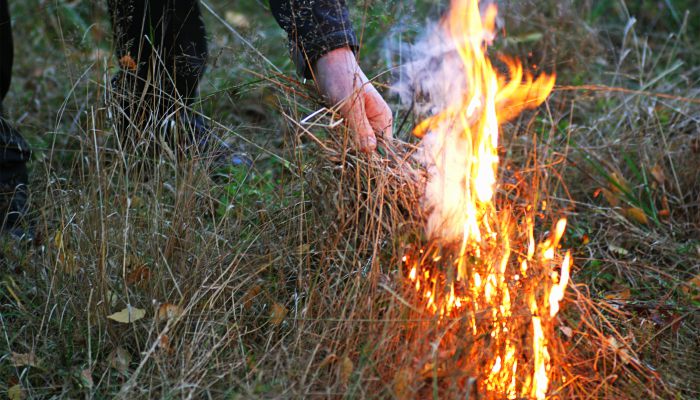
(342,82)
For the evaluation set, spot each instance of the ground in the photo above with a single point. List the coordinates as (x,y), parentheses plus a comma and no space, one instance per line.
(281,279)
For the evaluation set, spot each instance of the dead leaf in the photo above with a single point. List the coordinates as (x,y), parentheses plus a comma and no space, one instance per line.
(618,250)
(140,274)
(238,20)
(112,298)
(168,311)
(623,294)
(15,392)
(24,360)
(331,358)
(692,288)
(402,383)
(624,355)
(127,62)
(658,173)
(251,294)
(86,379)
(119,359)
(612,199)
(278,313)
(164,343)
(568,332)
(128,315)
(618,184)
(346,368)
(636,214)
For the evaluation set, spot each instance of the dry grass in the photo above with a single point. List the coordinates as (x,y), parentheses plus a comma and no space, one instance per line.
(287,273)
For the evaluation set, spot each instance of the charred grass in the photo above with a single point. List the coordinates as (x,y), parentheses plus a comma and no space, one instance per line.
(284,277)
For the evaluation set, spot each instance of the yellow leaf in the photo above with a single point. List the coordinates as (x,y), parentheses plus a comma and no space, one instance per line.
(119,359)
(658,173)
(346,368)
(58,240)
(238,20)
(402,383)
(618,183)
(610,197)
(24,360)
(278,313)
(15,392)
(636,214)
(128,315)
(168,311)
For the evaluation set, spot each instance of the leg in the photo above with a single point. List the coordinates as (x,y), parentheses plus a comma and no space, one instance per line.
(14,151)
(186,46)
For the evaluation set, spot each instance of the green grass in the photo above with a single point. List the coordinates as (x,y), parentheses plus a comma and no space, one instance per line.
(281,269)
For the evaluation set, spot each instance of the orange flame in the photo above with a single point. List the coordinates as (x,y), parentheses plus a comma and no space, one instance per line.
(461,144)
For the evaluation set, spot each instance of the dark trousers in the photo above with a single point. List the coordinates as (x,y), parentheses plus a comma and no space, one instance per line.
(162,49)
(161,43)
(14,151)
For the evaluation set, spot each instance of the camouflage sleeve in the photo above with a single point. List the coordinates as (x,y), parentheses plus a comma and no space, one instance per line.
(314,27)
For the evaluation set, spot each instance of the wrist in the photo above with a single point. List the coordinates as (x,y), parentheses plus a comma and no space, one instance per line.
(341,56)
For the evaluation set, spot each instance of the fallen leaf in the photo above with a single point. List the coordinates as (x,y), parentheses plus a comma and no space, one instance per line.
(248,297)
(346,368)
(58,239)
(612,199)
(164,343)
(624,355)
(138,275)
(112,298)
(127,62)
(331,358)
(238,20)
(119,359)
(568,332)
(168,311)
(24,360)
(658,173)
(128,315)
(618,184)
(15,392)
(623,294)
(402,383)
(636,214)
(692,288)
(278,313)
(86,379)
(618,250)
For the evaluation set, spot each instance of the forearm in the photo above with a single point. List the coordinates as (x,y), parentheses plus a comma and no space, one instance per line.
(314,27)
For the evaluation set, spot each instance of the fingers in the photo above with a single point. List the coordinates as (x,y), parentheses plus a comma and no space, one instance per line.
(379,114)
(354,111)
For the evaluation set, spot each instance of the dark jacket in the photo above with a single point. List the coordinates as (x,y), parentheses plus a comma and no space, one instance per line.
(314,27)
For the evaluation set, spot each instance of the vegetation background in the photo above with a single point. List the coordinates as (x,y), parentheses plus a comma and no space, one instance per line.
(275,280)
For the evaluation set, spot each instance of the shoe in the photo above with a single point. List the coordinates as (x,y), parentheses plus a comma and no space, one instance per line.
(212,147)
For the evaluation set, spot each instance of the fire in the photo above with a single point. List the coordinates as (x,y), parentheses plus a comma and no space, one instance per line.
(483,259)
